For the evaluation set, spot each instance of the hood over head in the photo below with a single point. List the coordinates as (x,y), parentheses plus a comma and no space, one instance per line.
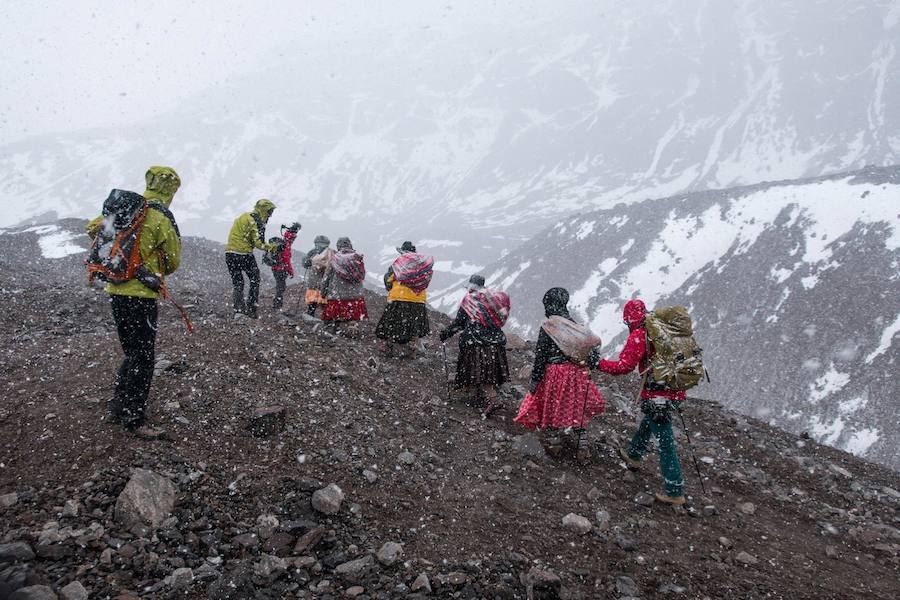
(555,301)
(634,312)
(264,208)
(344,243)
(406,247)
(321,242)
(162,183)
(476,282)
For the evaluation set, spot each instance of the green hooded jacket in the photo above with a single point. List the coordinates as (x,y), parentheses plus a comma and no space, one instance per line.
(244,235)
(160,245)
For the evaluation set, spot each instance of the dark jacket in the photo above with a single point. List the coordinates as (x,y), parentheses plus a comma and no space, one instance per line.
(546,352)
(473,333)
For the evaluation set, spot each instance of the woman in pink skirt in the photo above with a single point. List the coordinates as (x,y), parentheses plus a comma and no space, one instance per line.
(562,398)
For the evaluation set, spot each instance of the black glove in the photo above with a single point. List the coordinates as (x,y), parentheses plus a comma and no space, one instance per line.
(294,227)
(445,335)
(533,387)
(594,357)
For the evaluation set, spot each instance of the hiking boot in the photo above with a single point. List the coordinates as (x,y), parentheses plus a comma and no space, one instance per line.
(491,407)
(671,500)
(631,463)
(146,432)
(552,445)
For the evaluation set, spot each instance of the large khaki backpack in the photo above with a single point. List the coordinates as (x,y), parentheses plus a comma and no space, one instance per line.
(676,362)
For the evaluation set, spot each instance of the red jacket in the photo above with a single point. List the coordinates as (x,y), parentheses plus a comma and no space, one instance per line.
(635,353)
(284,261)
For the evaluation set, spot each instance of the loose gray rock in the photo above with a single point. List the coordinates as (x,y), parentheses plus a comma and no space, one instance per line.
(671,588)
(603,519)
(15,551)
(389,553)
(421,584)
(725,543)
(644,499)
(407,458)
(353,570)
(626,586)
(74,591)
(746,558)
(577,523)
(34,592)
(181,578)
(528,444)
(267,420)
(370,476)
(328,499)
(840,471)
(9,500)
(748,508)
(70,509)
(237,585)
(266,526)
(148,499)
(541,584)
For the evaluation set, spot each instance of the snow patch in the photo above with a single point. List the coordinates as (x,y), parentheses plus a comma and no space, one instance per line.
(861,440)
(886,341)
(830,382)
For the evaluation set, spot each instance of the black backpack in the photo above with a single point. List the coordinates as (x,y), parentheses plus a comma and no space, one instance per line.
(270,259)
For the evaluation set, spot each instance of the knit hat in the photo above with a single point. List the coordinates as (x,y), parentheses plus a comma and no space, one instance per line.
(406,247)
(321,240)
(476,282)
(343,243)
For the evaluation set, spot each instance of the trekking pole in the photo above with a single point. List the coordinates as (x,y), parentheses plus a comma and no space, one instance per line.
(581,428)
(691,446)
(446,370)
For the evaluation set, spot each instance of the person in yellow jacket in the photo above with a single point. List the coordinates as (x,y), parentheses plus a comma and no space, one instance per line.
(247,233)
(405,319)
(134,302)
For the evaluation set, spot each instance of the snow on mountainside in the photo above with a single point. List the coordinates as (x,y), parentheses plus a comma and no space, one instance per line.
(794,288)
(481,138)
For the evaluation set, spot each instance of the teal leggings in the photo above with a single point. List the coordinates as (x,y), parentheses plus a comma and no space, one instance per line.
(669,465)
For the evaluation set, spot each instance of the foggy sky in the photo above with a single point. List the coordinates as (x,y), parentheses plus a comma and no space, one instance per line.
(74,65)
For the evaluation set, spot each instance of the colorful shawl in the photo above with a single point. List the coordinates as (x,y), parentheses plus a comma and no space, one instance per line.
(349,266)
(414,271)
(489,308)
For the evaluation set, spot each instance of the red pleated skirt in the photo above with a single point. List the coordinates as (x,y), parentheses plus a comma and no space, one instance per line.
(345,310)
(565,398)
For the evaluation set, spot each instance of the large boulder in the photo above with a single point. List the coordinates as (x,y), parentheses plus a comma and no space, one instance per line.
(148,499)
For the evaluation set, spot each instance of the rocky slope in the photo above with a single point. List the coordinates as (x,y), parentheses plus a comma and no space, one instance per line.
(793,288)
(436,501)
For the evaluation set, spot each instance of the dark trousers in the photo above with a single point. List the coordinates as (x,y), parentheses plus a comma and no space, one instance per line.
(238,264)
(136,325)
(280,285)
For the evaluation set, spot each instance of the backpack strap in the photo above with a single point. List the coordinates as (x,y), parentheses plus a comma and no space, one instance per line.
(162,208)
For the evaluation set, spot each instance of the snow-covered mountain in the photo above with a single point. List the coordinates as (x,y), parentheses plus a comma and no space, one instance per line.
(794,288)
(469,141)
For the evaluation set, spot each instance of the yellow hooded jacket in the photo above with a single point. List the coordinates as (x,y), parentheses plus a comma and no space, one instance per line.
(160,245)
(244,236)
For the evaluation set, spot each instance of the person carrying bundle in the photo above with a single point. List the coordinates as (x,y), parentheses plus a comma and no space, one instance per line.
(481,363)
(562,399)
(405,319)
(280,261)
(342,286)
(316,263)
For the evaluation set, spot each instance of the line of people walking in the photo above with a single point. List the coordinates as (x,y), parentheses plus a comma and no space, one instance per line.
(136,243)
